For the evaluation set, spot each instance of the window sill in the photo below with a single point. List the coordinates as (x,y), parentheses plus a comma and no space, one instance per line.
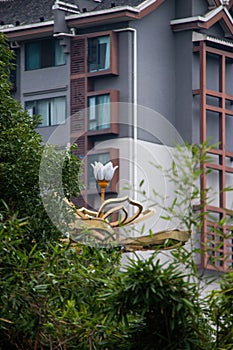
(101,73)
(112,130)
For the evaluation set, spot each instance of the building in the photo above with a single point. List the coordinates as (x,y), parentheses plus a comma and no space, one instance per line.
(172,57)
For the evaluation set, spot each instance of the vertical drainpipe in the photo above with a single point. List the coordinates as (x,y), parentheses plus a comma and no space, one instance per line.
(133,177)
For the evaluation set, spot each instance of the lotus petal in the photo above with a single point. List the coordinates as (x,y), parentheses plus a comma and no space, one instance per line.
(109,171)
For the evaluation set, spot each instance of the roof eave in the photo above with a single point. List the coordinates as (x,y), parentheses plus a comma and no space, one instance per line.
(87,19)
(124,13)
(203,19)
(221,13)
(197,37)
(26,31)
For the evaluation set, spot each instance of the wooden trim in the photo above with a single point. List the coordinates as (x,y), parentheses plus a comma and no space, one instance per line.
(197,24)
(229,5)
(222,130)
(195,92)
(120,15)
(213,108)
(102,18)
(203,180)
(229,154)
(150,8)
(113,70)
(196,48)
(221,263)
(220,16)
(228,169)
(30,33)
(219,52)
(213,93)
(215,151)
(77,76)
(203,91)
(214,166)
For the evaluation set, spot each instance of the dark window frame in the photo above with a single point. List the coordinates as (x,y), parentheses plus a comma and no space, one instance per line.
(113,53)
(46,51)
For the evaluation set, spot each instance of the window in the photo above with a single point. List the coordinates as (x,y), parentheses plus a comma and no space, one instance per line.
(51,110)
(103,112)
(99,112)
(44,53)
(98,53)
(215,108)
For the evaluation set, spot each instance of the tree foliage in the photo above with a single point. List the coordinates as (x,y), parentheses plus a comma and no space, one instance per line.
(21,150)
(221,303)
(159,306)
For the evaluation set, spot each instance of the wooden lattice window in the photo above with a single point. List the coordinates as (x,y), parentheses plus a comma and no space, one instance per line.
(216,124)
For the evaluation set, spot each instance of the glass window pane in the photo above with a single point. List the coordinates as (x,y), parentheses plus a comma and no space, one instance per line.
(93,125)
(58,111)
(51,110)
(30,106)
(44,53)
(42,108)
(32,56)
(104,52)
(99,112)
(92,55)
(98,53)
(103,112)
(92,109)
(47,53)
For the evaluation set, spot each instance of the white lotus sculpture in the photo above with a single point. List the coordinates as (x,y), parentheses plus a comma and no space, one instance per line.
(103,172)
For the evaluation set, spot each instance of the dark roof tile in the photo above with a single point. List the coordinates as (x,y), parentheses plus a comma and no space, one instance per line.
(34,11)
(25,12)
(105,4)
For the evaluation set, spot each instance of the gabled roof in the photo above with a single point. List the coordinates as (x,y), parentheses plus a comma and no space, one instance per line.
(220,15)
(21,20)
(21,12)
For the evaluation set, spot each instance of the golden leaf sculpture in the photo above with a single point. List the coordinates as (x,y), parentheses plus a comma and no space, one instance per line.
(96,226)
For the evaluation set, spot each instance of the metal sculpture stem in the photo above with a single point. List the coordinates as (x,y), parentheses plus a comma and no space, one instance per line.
(102,195)
(102,184)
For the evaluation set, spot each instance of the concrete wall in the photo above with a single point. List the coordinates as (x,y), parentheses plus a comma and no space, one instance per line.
(189,8)
(156,61)
(183,84)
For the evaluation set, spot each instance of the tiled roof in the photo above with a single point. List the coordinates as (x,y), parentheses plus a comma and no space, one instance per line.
(25,12)
(33,11)
(105,4)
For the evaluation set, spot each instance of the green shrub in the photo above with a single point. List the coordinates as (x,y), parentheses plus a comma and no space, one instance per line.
(159,307)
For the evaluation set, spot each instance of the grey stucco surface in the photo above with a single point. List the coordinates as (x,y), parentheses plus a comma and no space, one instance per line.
(156,61)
